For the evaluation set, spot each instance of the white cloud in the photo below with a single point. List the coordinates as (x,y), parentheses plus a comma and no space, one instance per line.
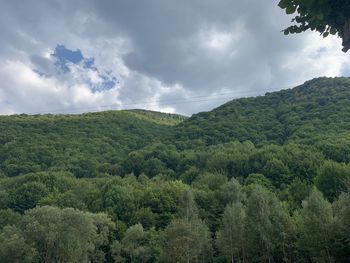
(318,57)
(159,51)
(28,91)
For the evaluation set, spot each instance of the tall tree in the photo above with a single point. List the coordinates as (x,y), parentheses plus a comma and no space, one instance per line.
(67,235)
(179,239)
(315,225)
(266,226)
(103,238)
(135,245)
(187,242)
(231,192)
(202,241)
(343,213)
(188,238)
(342,220)
(230,237)
(187,206)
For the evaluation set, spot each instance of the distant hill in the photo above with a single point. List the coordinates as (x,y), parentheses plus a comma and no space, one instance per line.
(320,107)
(316,113)
(91,141)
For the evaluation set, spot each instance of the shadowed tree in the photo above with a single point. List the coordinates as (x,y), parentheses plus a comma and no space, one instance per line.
(27,196)
(324,16)
(342,220)
(14,248)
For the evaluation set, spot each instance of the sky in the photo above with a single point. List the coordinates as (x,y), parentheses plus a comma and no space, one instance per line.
(183,56)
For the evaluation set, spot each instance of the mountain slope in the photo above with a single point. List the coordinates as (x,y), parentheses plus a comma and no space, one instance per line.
(316,113)
(318,107)
(93,141)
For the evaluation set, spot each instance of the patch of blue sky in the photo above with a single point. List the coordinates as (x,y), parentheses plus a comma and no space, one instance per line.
(89,63)
(108,82)
(65,56)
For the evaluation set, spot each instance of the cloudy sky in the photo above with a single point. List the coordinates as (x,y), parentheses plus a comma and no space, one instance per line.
(183,56)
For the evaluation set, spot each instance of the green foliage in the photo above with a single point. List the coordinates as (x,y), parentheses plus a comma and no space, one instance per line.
(343,214)
(295,193)
(324,16)
(8,217)
(315,227)
(179,242)
(27,196)
(66,235)
(258,179)
(187,206)
(85,144)
(266,226)
(230,238)
(307,113)
(332,179)
(139,186)
(342,226)
(231,192)
(134,244)
(14,248)
(187,241)
(188,237)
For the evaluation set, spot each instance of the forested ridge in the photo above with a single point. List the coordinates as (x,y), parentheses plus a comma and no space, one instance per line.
(260,179)
(91,143)
(318,107)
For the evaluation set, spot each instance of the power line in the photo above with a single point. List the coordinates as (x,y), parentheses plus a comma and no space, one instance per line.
(149,103)
(163,102)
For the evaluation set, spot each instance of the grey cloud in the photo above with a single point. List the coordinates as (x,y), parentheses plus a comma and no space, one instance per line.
(164,39)
(202,46)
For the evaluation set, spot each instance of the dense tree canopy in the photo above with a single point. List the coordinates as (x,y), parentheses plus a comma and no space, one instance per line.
(262,179)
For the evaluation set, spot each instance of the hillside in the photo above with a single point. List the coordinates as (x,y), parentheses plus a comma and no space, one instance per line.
(263,179)
(318,107)
(315,113)
(93,141)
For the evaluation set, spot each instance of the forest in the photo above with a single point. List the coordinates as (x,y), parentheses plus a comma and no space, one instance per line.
(258,179)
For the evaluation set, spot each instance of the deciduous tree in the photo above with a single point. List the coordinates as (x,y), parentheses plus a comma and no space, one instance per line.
(324,16)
